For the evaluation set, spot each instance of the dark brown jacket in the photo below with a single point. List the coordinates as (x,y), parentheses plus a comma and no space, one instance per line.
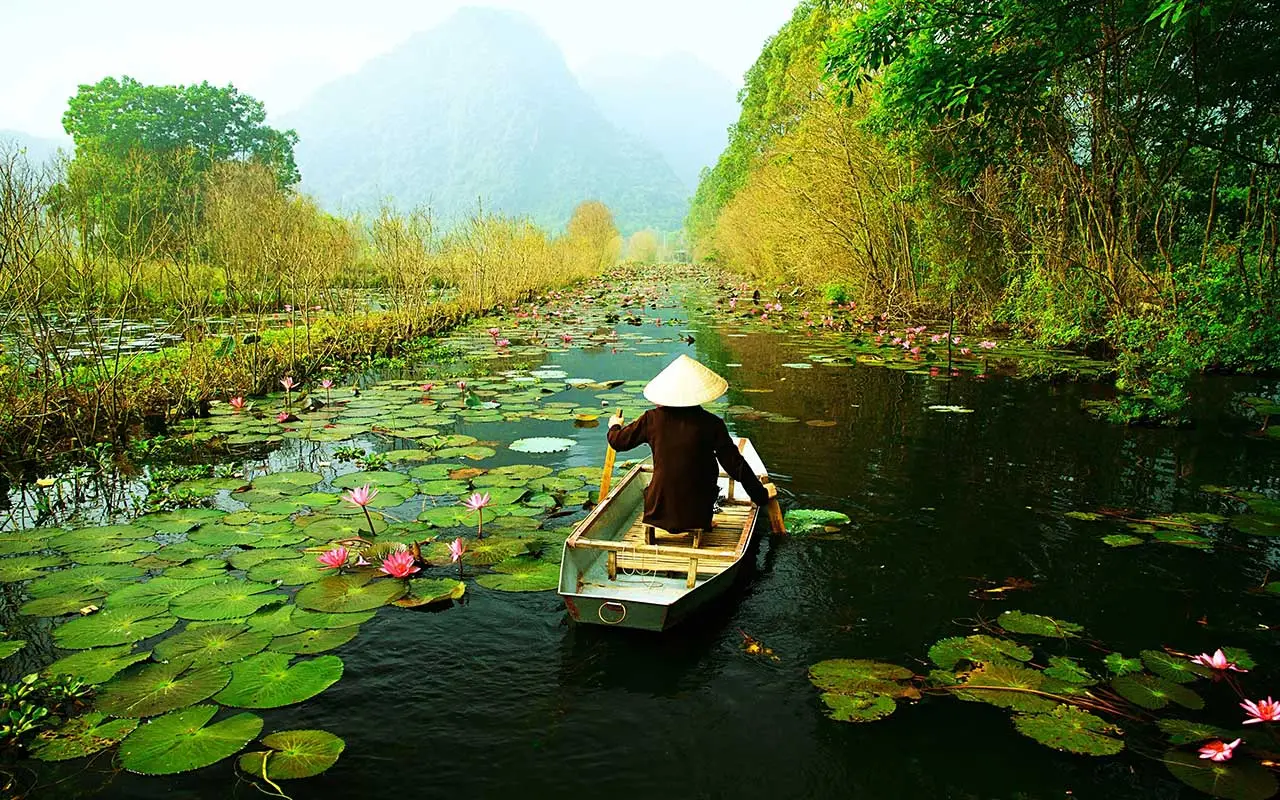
(686,444)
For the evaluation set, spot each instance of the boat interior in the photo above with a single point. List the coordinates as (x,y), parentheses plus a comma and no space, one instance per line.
(615,555)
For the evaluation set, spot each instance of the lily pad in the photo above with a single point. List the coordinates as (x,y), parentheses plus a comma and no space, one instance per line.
(1068,671)
(1071,729)
(347,593)
(1175,668)
(102,579)
(799,521)
(287,482)
(541,444)
(81,736)
(57,606)
(1181,731)
(10,646)
(319,640)
(113,626)
(276,621)
(294,754)
(1235,781)
(213,644)
(1007,685)
(1037,625)
(849,676)
(290,572)
(977,649)
(1119,665)
(522,575)
(859,707)
(160,688)
(160,591)
(318,619)
(226,599)
(1122,540)
(24,568)
(1151,692)
(1257,524)
(98,665)
(378,478)
(247,559)
(267,680)
(426,591)
(182,741)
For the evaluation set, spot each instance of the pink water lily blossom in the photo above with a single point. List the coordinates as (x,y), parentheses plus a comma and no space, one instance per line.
(334,559)
(283,417)
(566,338)
(987,345)
(1217,661)
(326,384)
(503,342)
(456,549)
(477,501)
(494,332)
(1218,750)
(1262,711)
(288,383)
(237,403)
(360,495)
(399,564)
(462,385)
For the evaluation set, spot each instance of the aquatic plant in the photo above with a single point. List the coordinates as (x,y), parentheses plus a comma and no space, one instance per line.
(361,496)
(477,503)
(457,548)
(237,403)
(335,558)
(1067,705)
(289,385)
(327,385)
(399,564)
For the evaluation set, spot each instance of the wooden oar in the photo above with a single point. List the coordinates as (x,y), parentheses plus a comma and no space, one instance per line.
(607,477)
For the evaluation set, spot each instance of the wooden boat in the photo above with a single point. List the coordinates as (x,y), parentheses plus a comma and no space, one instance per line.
(617,571)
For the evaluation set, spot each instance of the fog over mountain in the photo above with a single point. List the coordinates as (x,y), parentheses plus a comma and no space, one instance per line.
(39,149)
(675,102)
(481,109)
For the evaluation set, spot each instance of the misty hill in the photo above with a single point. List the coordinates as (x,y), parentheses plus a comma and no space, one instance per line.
(676,103)
(39,149)
(480,108)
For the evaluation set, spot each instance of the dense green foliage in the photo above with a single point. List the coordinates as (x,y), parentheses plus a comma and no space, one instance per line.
(1099,173)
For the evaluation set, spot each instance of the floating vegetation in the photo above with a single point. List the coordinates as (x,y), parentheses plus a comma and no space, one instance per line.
(293,754)
(1063,705)
(801,521)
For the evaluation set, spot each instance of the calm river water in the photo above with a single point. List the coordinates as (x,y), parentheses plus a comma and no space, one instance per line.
(502,697)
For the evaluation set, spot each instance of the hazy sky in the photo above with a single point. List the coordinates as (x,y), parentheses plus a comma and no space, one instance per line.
(279,51)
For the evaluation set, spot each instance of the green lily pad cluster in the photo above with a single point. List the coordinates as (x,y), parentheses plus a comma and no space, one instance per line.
(1060,700)
(1183,529)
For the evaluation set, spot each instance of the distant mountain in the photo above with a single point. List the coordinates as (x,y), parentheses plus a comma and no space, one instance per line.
(39,149)
(676,103)
(479,110)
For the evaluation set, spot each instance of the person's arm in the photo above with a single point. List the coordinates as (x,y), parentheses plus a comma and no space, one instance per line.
(630,437)
(736,467)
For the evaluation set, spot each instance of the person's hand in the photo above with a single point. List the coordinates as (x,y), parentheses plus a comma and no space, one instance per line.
(616,419)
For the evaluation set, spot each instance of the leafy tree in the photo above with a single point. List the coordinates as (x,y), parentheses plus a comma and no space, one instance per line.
(115,117)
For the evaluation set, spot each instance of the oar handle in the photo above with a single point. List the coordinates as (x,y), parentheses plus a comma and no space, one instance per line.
(609,455)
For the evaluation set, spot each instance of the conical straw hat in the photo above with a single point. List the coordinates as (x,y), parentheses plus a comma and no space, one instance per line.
(685,382)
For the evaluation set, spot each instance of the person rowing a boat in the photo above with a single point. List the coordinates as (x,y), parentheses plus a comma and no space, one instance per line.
(687,441)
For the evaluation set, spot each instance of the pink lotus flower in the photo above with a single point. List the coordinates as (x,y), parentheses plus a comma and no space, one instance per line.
(1216,661)
(334,559)
(764,316)
(1262,711)
(987,345)
(399,564)
(456,550)
(288,383)
(462,385)
(566,338)
(964,351)
(503,342)
(477,501)
(237,403)
(1219,750)
(360,496)
(733,303)
(326,384)
(288,308)
(937,337)
(494,332)
(283,417)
